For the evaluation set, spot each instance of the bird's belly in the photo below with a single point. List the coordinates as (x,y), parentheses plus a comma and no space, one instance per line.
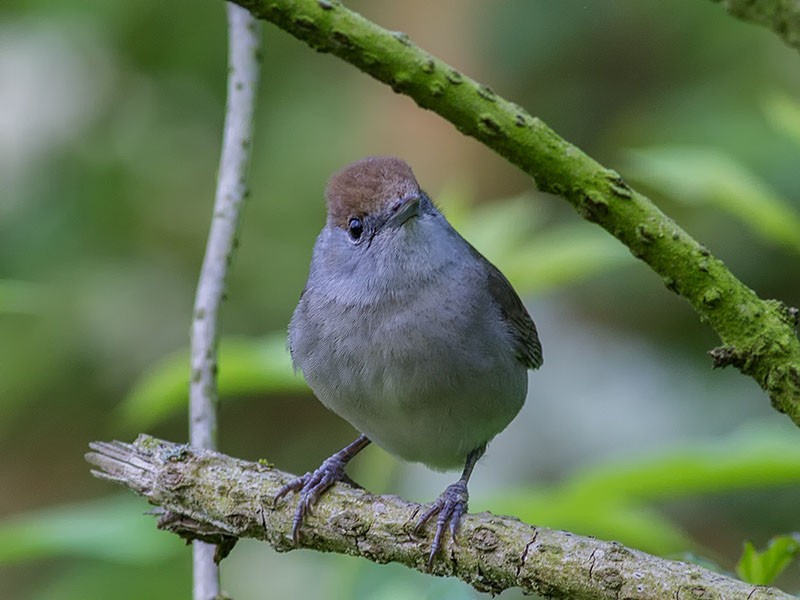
(424,403)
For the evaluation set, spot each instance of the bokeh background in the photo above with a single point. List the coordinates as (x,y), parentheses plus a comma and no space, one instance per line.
(110,126)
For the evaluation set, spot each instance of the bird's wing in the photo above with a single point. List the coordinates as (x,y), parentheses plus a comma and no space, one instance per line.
(289,337)
(527,347)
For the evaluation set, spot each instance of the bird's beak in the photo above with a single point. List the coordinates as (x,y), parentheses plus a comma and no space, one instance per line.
(403,210)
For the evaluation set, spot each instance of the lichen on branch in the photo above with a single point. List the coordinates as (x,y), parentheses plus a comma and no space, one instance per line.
(220,499)
(758,336)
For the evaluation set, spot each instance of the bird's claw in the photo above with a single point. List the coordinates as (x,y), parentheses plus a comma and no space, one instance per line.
(450,507)
(310,487)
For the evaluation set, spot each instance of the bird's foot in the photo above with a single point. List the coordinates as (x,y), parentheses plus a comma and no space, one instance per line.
(450,507)
(310,487)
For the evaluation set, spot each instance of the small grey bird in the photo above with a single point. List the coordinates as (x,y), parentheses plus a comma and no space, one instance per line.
(409,333)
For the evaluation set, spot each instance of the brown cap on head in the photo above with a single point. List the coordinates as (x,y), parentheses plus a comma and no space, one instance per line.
(365,187)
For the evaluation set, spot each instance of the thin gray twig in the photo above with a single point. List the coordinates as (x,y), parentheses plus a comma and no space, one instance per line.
(243,71)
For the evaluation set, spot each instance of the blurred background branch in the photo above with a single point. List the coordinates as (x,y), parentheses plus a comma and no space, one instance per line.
(244,35)
(234,498)
(782,16)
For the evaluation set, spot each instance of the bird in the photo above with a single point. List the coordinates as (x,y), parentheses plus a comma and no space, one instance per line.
(407,332)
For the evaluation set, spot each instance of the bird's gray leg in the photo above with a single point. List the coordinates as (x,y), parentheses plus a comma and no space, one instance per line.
(451,505)
(312,484)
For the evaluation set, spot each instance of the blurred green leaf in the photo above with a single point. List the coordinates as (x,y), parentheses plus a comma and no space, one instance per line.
(260,366)
(498,227)
(562,255)
(510,234)
(612,500)
(698,175)
(21,297)
(761,568)
(633,525)
(783,113)
(86,579)
(752,457)
(112,529)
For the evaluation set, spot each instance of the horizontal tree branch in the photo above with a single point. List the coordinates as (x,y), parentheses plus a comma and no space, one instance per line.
(220,499)
(782,16)
(758,336)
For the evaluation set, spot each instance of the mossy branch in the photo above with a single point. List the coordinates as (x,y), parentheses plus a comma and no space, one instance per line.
(758,336)
(782,16)
(220,499)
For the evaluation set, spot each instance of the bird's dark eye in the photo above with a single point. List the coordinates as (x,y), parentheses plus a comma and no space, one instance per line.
(355,228)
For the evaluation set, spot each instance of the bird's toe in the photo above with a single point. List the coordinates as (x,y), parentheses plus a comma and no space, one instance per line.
(450,507)
(310,488)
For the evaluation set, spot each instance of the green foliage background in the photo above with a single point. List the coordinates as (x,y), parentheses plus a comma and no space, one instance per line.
(110,119)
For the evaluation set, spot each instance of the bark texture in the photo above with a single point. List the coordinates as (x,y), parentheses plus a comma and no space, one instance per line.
(220,499)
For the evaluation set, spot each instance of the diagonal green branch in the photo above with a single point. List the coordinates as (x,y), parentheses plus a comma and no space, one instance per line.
(782,16)
(758,336)
(220,499)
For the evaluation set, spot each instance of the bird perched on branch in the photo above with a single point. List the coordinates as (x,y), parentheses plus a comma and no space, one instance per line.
(409,333)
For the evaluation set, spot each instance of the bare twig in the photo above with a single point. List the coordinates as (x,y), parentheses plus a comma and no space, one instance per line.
(244,36)
(219,498)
